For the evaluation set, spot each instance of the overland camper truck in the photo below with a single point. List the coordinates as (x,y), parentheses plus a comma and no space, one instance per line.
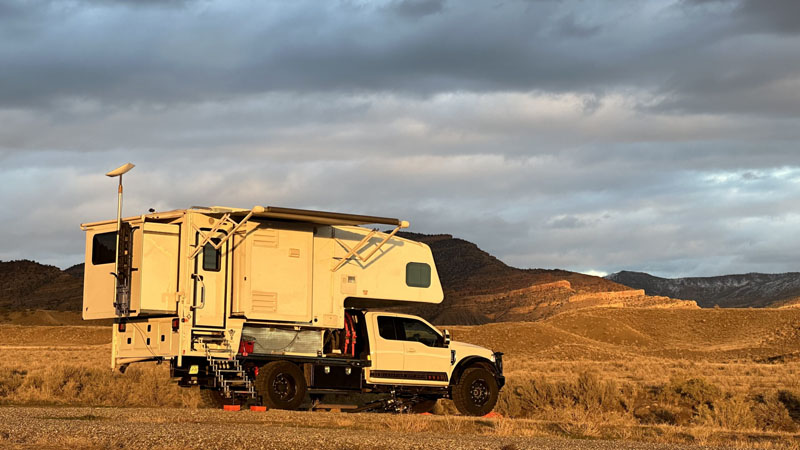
(270,304)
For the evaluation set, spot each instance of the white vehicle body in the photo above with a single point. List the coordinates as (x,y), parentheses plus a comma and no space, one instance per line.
(226,293)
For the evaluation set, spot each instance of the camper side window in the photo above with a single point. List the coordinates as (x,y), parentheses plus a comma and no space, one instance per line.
(418,275)
(211,258)
(103,251)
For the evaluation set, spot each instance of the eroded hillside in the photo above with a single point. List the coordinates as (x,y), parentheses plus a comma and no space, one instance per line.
(480,289)
(28,285)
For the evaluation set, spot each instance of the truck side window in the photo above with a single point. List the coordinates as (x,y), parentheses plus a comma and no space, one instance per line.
(418,275)
(211,257)
(103,248)
(417,331)
(386,328)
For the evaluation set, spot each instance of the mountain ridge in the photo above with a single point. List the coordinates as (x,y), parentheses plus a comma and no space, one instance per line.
(26,284)
(727,291)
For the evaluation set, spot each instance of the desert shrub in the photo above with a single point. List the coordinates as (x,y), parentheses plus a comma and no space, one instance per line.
(66,384)
(10,381)
(791,401)
(659,414)
(530,397)
(694,392)
(771,414)
(686,401)
(731,413)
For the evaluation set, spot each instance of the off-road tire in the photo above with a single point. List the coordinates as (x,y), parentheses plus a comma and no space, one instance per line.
(281,385)
(475,393)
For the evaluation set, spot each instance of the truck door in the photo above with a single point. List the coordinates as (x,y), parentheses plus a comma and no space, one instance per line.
(210,290)
(424,350)
(408,351)
(388,350)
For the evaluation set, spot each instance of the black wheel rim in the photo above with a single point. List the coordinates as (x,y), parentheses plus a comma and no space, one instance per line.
(479,392)
(284,387)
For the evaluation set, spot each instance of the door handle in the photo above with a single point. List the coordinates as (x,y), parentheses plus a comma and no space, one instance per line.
(199,278)
(411,350)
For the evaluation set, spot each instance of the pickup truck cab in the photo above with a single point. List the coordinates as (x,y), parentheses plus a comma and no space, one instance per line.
(408,351)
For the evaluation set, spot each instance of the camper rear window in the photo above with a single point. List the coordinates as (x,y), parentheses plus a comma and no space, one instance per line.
(103,248)
(418,275)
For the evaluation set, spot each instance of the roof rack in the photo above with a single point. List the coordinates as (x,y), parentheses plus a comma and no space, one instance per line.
(299,215)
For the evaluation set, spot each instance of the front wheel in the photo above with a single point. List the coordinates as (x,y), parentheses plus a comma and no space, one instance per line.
(281,385)
(475,393)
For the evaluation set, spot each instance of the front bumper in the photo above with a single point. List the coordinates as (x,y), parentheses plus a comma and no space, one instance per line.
(498,365)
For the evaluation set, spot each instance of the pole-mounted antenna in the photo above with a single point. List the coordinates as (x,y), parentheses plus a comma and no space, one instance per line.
(118,172)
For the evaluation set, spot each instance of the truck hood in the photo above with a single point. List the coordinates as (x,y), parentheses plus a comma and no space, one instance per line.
(463,349)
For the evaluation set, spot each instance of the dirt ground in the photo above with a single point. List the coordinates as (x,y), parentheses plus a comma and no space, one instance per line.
(134,428)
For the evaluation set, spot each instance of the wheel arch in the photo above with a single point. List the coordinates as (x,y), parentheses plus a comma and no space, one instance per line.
(468,362)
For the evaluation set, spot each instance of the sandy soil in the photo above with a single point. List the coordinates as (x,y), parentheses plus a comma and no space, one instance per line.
(134,428)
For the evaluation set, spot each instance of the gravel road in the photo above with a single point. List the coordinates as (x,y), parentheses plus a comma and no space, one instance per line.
(134,428)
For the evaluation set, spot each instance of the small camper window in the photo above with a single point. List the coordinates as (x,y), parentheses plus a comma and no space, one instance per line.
(103,248)
(418,275)
(211,258)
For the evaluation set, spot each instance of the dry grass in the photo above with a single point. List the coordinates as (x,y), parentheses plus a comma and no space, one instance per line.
(564,378)
(63,383)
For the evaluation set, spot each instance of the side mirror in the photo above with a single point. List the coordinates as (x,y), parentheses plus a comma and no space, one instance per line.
(446,338)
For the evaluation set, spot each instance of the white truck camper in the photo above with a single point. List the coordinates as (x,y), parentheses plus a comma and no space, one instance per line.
(281,306)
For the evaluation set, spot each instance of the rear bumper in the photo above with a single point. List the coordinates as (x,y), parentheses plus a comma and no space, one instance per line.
(498,365)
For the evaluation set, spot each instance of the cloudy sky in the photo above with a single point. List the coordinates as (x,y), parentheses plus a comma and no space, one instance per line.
(593,136)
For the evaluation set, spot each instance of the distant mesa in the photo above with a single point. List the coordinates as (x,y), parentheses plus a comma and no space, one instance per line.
(756,290)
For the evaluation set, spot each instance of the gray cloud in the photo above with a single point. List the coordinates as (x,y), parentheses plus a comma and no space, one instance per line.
(770,16)
(698,57)
(658,136)
(416,9)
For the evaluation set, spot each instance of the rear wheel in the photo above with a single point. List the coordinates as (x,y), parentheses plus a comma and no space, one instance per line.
(281,385)
(475,393)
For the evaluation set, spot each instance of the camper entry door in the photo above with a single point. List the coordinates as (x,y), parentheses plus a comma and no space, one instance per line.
(210,290)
